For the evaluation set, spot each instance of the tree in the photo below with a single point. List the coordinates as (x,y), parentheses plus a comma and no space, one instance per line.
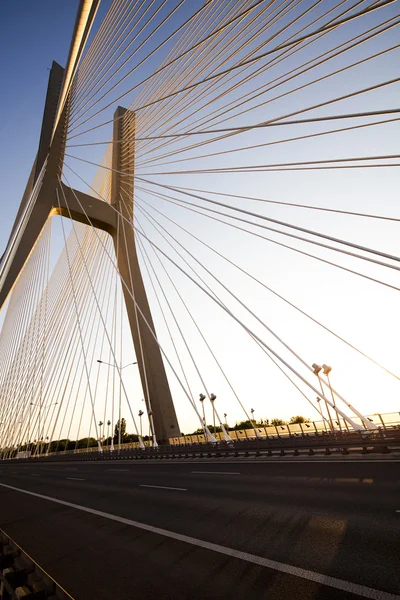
(200,430)
(86,443)
(61,445)
(123,430)
(298,419)
(216,429)
(277,422)
(244,425)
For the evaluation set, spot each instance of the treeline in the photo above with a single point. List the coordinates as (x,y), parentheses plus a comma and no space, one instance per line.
(240,425)
(45,446)
(66,444)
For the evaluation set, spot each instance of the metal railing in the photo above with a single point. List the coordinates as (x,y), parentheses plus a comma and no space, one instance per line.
(382,442)
(312,435)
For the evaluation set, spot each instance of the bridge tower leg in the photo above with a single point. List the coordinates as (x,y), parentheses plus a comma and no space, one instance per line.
(89,210)
(151,367)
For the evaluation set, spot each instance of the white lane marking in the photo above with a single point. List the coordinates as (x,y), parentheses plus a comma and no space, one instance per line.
(333,582)
(120,470)
(163,487)
(76,478)
(215,472)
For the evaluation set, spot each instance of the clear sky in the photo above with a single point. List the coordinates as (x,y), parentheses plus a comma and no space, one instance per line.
(361,311)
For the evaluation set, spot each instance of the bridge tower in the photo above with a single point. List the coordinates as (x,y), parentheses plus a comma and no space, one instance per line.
(40,201)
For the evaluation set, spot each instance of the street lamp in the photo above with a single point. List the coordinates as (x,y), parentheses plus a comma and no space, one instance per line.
(213,397)
(102,362)
(226,421)
(100,426)
(108,431)
(226,435)
(324,419)
(116,366)
(202,398)
(153,431)
(326,370)
(140,414)
(208,436)
(316,370)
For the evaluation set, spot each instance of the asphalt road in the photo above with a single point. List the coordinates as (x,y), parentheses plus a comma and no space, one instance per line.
(276,530)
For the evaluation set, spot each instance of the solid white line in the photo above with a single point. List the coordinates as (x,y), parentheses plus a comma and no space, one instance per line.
(333,582)
(163,487)
(216,472)
(76,478)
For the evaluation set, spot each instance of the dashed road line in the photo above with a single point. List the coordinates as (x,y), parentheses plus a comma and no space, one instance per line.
(76,478)
(216,472)
(163,487)
(119,470)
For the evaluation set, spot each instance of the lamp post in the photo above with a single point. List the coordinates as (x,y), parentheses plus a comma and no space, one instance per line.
(213,397)
(316,370)
(324,419)
(151,421)
(100,426)
(108,431)
(140,414)
(226,435)
(102,362)
(326,370)
(207,433)
(226,421)
(202,398)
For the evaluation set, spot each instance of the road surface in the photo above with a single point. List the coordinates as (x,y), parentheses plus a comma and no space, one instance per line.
(293,529)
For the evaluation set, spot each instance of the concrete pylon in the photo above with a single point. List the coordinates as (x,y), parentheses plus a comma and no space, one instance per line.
(40,201)
(152,372)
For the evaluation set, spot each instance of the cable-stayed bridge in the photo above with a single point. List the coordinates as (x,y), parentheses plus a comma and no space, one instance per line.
(209,226)
(223,72)
(204,113)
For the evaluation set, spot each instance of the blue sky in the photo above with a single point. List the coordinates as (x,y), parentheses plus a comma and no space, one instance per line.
(30,40)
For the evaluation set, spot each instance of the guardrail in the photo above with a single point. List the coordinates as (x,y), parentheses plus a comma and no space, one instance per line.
(389,423)
(383,421)
(382,442)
